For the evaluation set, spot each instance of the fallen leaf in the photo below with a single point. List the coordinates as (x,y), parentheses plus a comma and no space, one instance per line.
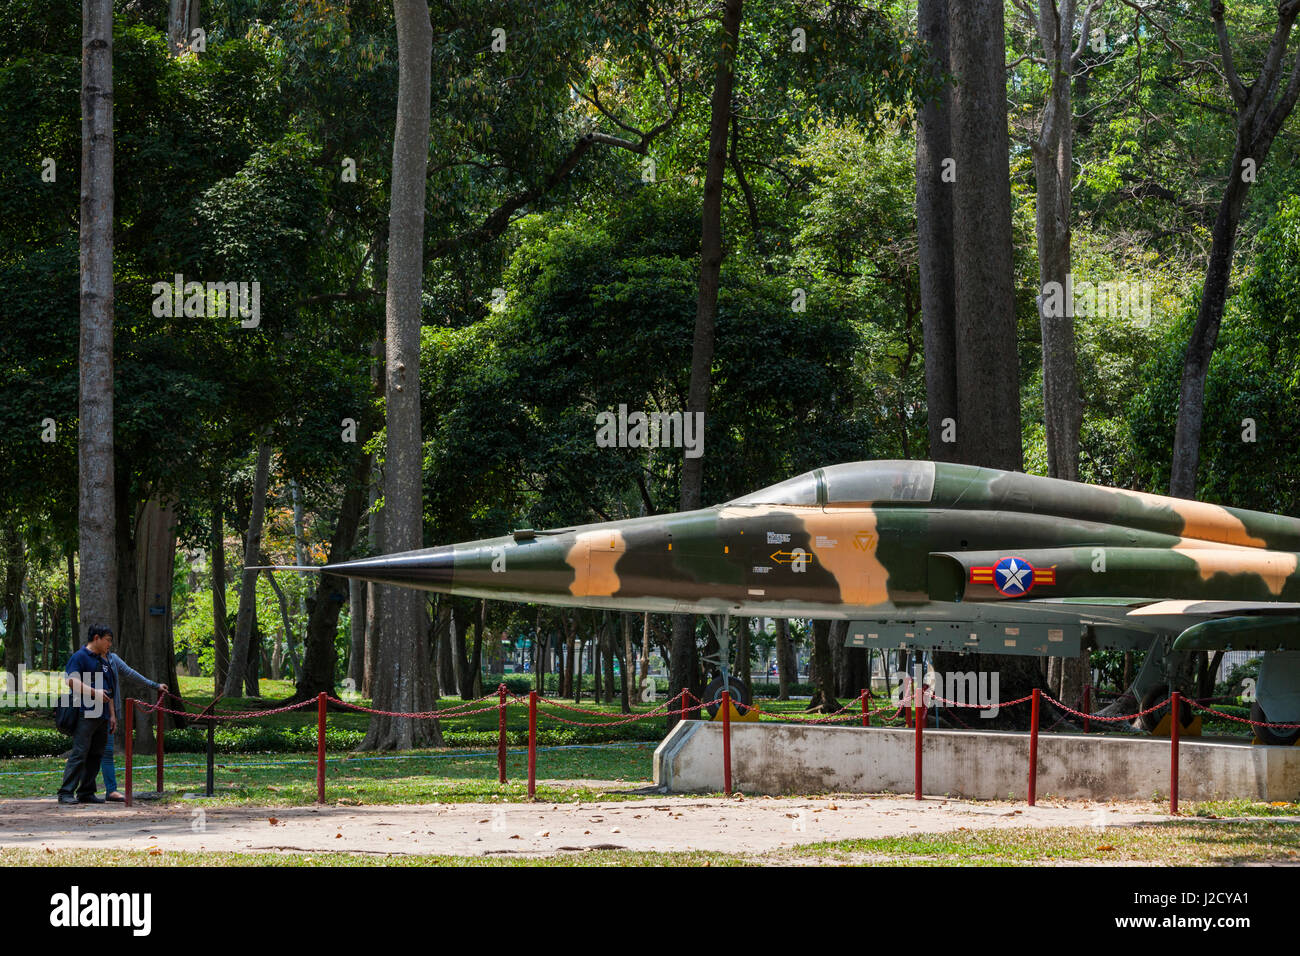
(338,836)
(543,833)
(273,821)
(1104,847)
(515,836)
(155,852)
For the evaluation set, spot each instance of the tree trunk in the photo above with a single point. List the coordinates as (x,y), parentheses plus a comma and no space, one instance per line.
(179,24)
(245,619)
(446,668)
(252,672)
(357,633)
(475,669)
(291,649)
(459,655)
(570,628)
(628,683)
(320,658)
(608,656)
(984,321)
(30,633)
(1205,334)
(823,675)
(97,500)
(1053,172)
(988,385)
(147,556)
(15,558)
(1074,674)
(221,647)
(934,229)
(684,665)
(1260,113)
(403,678)
(741,667)
(74,619)
(784,655)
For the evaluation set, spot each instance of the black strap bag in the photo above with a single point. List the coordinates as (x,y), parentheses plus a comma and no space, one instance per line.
(66,718)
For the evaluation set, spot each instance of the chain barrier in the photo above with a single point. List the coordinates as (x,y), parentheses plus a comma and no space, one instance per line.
(671,707)
(1240,720)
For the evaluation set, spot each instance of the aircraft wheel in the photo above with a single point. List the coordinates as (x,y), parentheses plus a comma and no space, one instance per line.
(1272,736)
(739,694)
(1149,722)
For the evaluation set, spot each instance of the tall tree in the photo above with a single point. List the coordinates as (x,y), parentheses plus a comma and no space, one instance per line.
(983,345)
(403,680)
(683,666)
(934,179)
(1260,110)
(988,385)
(239,677)
(96,497)
(220,642)
(1053,150)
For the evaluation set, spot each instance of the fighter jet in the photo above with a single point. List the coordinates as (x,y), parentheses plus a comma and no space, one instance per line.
(929,556)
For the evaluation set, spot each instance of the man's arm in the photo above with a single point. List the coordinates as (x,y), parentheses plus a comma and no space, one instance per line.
(77,684)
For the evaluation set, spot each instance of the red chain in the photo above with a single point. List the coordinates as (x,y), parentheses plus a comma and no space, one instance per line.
(1241,720)
(1079,713)
(147,707)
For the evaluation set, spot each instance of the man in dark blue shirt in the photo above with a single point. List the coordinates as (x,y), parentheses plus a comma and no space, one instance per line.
(93,685)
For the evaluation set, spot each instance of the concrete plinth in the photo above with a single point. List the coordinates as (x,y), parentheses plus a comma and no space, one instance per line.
(983,765)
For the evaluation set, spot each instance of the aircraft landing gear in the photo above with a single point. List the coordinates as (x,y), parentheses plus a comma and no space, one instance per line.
(1156,723)
(739,689)
(1272,736)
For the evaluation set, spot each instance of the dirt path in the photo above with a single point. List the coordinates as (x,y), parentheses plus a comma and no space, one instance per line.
(752,825)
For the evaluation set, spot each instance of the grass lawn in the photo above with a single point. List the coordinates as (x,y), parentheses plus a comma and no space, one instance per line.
(409,777)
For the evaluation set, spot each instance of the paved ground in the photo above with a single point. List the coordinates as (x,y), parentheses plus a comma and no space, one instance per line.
(750,825)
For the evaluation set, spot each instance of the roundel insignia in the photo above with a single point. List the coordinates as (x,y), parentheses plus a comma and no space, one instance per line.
(1013,577)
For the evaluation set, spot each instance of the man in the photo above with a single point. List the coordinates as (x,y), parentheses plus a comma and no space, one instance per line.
(120,670)
(93,684)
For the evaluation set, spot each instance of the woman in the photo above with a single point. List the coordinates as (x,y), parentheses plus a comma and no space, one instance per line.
(120,669)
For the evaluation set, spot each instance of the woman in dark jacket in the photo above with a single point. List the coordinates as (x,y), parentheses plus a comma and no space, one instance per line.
(120,669)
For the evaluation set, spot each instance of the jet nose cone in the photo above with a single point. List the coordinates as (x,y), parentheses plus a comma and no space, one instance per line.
(427,568)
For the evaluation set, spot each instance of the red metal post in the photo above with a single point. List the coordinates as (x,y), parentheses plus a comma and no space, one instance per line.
(501,735)
(532,743)
(1174,711)
(919,722)
(866,708)
(320,747)
(1033,748)
(129,706)
(159,721)
(684,694)
(1087,705)
(726,742)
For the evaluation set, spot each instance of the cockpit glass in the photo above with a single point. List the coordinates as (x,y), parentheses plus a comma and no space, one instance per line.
(795,491)
(859,482)
(865,482)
